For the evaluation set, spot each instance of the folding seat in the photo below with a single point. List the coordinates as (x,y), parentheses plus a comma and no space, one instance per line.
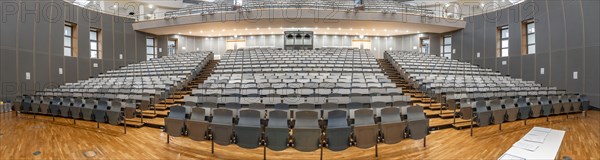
(36,103)
(574,99)
(498,114)
(567,105)
(337,130)
(48,105)
(418,124)
(271,100)
(277,131)
(249,129)
(64,107)
(222,126)
(536,108)
(327,85)
(115,115)
(312,85)
(174,122)
(585,102)
(483,114)
(360,91)
(556,105)
(88,108)
(248,91)
(377,91)
(512,112)
(546,106)
(392,126)
(524,108)
(393,91)
(307,133)
(380,102)
(264,92)
(365,131)
(285,91)
(100,111)
(343,85)
(279,85)
(341,91)
(75,109)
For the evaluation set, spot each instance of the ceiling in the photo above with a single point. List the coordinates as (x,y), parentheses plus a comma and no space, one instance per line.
(278,26)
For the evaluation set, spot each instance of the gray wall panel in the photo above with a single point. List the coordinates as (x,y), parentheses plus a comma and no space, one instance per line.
(9,72)
(514,66)
(557,69)
(84,66)
(71,71)
(592,70)
(574,58)
(42,71)
(528,67)
(107,37)
(56,62)
(542,27)
(25,62)
(557,26)
(543,61)
(83,39)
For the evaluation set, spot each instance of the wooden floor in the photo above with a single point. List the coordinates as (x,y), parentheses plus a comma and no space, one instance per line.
(21,136)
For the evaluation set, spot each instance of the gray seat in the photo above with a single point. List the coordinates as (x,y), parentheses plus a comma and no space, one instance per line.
(197,126)
(64,107)
(277,131)
(55,106)
(222,126)
(575,102)
(88,108)
(44,106)
(546,106)
(115,115)
(483,114)
(567,105)
(392,126)
(556,105)
(307,133)
(585,102)
(174,122)
(26,104)
(512,112)
(338,131)
(37,103)
(498,114)
(536,108)
(249,129)
(365,131)
(418,124)
(76,108)
(128,109)
(100,111)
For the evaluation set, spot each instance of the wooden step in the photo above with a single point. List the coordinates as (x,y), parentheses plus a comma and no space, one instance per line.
(159,113)
(155,122)
(149,115)
(134,122)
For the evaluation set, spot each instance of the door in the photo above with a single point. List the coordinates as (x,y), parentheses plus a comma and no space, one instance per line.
(172,47)
(424,45)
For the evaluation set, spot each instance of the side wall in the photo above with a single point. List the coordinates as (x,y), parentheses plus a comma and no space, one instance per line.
(567,41)
(32,42)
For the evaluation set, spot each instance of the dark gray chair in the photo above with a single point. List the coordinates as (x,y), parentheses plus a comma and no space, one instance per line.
(556,105)
(54,106)
(536,107)
(307,133)
(37,103)
(100,111)
(524,108)
(115,115)
(512,111)
(197,126)
(27,104)
(75,109)
(575,102)
(418,124)
(64,107)
(249,129)
(128,109)
(174,122)
(88,108)
(483,114)
(498,113)
(277,132)
(337,131)
(221,126)
(365,131)
(546,106)
(567,105)
(585,102)
(392,126)
(18,103)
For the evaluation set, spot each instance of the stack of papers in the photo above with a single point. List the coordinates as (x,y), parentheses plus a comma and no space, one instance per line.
(536,136)
(510,157)
(526,145)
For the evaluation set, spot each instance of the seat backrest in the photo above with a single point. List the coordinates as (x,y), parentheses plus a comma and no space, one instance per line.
(256,106)
(278,119)
(177,112)
(329,106)
(198,114)
(249,117)
(389,115)
(481,106)
(496,104)
(282,106)
(415,113)
(306,106)
(306,119)
(337,118)
(363,117)
(222,116)
(78,102)
(509,103)
(522,102)
(233,105)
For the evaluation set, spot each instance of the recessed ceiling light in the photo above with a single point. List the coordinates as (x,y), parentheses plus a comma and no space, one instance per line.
(269,28)
(257,28)
(178,32)
(150,6)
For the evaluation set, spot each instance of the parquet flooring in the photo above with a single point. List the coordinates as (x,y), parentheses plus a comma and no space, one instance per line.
(23,135)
